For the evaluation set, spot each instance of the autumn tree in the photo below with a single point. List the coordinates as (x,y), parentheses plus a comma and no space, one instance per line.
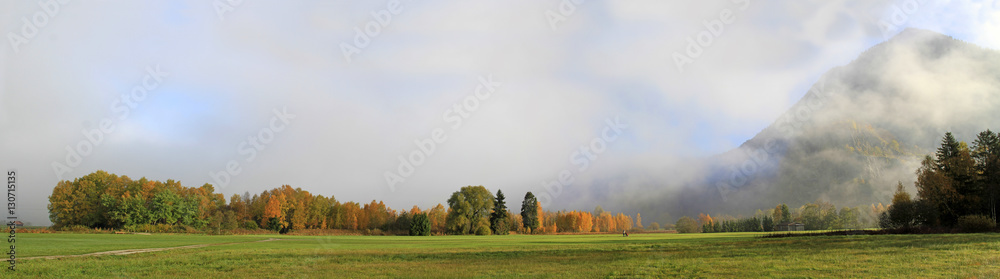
(638,220)
(274,216)
(438,216)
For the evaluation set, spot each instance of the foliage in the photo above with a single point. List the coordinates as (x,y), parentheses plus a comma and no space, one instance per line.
(901,214)
(421,225)
(574,221)
(976,223)
(498,217)
(687,225)
(767,223)
(529,212)
(469,210)
(959,180)
(653,226)
(106,200)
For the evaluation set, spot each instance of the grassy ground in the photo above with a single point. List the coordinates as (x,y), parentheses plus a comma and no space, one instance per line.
(576,256)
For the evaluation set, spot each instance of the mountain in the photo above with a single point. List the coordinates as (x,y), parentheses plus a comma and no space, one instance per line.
(861,128)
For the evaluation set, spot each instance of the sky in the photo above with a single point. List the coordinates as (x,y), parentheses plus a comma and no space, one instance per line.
(407,101)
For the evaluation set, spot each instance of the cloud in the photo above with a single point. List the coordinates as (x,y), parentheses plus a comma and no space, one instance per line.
(606,59)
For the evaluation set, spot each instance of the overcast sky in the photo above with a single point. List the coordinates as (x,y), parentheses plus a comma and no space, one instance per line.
(294,94)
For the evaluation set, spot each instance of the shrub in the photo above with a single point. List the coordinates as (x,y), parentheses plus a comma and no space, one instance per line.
(687,225)
(483,230)
(250,225)
(78,229)
(976,223)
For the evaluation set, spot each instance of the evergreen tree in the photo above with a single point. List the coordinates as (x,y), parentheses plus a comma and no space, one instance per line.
(949,149)
(986,153)
(786,215)
(421,225)
(529,212)
(767,223)
(498,219)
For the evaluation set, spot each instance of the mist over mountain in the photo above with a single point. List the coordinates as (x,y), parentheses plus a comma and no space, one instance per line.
(861,128)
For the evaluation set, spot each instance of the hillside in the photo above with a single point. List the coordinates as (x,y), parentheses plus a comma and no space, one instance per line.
(860,128)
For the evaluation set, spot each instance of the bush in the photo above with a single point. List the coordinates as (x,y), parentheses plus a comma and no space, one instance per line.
(976,223)
(78,229)
(250,225)
(687,225)
(483,230)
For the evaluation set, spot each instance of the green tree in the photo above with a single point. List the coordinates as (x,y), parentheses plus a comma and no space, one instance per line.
(471,207)
(498,218)
(529,212)
(653,226)
(901,212)
(986,153)
(598,210)
(421,225)
(687,225)
(767,223)
(404,221)
(949,149)
(812,217)
(786,215)
(848,218)
(166,207)
(950,182)
(937,190)
(776,215)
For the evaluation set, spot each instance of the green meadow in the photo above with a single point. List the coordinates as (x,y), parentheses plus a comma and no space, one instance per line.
(560,256)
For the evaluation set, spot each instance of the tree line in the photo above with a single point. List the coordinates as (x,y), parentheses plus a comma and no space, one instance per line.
(104,200)
(815,216)
(958,186)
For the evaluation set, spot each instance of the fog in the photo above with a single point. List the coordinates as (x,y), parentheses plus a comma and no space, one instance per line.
(329,96)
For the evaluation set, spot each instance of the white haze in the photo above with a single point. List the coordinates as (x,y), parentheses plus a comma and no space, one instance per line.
(607,59)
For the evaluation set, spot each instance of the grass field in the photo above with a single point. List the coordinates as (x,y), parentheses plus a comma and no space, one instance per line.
(576,256)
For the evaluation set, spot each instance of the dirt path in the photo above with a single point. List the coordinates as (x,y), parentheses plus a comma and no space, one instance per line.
(137,251)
